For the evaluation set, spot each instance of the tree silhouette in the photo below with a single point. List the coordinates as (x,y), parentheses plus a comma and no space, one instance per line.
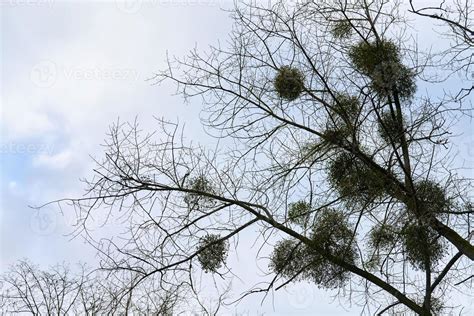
(329,156)
(62,290)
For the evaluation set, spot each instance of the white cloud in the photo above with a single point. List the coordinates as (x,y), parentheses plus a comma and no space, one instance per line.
(22,117)
(99,58)
(56,161)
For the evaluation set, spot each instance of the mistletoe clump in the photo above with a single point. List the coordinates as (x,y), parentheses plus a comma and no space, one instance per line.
(200,184)
(383,236)
(422,245)
(381,61)
(298,213)
(367,57)
(344,112)
(394,77)
(289,83)
(212,252)
(347,107)
(333,135)
(431,199)
(342,29)
(331,236)
(354,180)
(332,232)
(290,256)
(390,129)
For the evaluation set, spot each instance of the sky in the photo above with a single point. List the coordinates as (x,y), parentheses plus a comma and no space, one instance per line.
(68,70)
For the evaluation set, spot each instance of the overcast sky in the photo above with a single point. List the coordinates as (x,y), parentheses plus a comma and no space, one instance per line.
(69,69)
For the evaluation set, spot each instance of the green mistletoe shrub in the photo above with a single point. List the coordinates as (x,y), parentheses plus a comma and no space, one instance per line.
(298,213)
(289,83)
(297,261)
(354,180)
(342,29)
(381,62)
(197,200)
(423,246)
(212,252)
(390,129)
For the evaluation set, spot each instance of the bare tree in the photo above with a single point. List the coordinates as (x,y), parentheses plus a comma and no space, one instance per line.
(26,289)
(457,17)
(327,154)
